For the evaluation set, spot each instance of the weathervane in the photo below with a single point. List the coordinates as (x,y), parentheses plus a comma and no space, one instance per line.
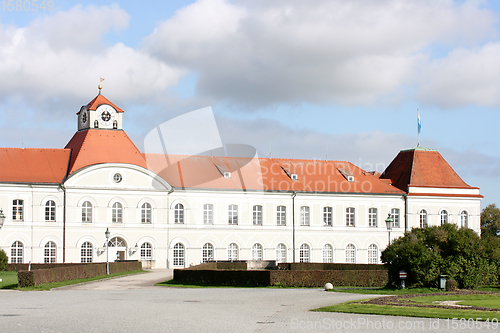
(100,85)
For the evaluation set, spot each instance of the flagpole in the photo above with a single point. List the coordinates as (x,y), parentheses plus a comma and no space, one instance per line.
(418,128)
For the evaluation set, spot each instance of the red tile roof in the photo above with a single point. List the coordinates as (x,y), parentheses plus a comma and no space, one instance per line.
(264,174)
(96,146)
(33,165)
(421,167)
(98,100)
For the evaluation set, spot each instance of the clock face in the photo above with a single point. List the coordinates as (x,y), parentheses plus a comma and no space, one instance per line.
(106,114)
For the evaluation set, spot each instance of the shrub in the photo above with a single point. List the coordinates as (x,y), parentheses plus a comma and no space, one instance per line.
(451,285)
(3,260)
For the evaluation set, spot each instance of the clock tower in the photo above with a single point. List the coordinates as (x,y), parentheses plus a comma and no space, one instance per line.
(100,113)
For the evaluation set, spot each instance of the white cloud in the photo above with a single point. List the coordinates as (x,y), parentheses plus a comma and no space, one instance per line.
(64,55)
(464,77)
(257,53)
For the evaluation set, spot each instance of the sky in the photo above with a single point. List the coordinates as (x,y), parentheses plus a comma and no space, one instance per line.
(337,80)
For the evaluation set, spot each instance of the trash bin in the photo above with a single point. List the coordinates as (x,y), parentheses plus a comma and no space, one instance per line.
(442,282)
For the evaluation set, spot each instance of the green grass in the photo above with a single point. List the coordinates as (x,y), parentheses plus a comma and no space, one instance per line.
(355,307)
(9,280)
(385,290)
(486,300)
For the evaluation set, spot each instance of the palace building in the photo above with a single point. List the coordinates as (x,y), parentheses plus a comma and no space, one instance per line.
(175,210)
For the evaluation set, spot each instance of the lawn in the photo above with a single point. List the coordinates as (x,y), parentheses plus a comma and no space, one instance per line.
(9,280)
(483,300)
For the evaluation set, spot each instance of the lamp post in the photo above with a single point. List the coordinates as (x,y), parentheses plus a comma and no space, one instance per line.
(107,252)
(2,218)
(388,222)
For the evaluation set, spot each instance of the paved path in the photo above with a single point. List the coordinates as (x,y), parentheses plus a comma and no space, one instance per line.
(132,304)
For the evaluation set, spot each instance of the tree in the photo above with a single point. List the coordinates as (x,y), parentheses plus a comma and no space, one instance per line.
(490,221)
(3,260)
(426,253)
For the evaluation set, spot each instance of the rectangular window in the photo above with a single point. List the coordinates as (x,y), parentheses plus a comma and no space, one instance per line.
(208,214)
(17,210)
(350,216)
(257,215)
(327,215)
(372,217)
(281,215)
(395,217)
(233,214)
(304,215)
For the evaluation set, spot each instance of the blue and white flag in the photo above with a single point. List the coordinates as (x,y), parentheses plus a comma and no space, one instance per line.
(418,122)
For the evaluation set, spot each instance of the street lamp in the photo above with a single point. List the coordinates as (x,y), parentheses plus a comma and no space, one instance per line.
(2,218)
(388,222)
(107,252)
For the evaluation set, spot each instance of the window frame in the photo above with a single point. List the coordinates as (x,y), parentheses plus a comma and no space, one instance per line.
(373,254)
(395,214)
(350,253)
(50,211)
(464,219)
(257,215)
(422,214)
(146,213)
(87,252)
(304,253)
(146,251)
(350,217)
(281,252)
(17,210)
(87,212)
(373,217)
(179,213)
(179,255)
(208,214)
(328,216)
(50,252)
(207,252)
(443,216)
(305,216)
(16,252)
(328,253)
(233,252)
(117,212)
(257,252)
(281,215)
(232,214)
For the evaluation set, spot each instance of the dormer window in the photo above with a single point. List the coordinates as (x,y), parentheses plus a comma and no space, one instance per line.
(115,124)
(294,177)
(96,124)
(227,175)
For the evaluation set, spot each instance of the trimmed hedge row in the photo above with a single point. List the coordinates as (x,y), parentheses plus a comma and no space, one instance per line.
(293,278)
(226,265)
(25,267)
(36,277)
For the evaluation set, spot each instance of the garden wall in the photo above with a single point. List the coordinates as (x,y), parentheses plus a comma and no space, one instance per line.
(64,272)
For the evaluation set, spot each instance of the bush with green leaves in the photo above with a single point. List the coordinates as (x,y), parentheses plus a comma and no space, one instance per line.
(426,253)
(3,260)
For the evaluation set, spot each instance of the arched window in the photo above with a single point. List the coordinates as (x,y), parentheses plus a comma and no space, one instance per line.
(395,217)
(96,124)
(281,253)
(232,252)
(257,215)
(464,219)
(49,253)
(444,217)
(207,252)
(423,218)
(350,254)
(373,254)
(208,214)
(146,212)
(86,252)
(178,255)
(179,213)
(327,253)
(117,213)
(87,212)
(281,215)
(117,242)
(18,210)
(304,253)
(372,217)
(115,124)
(350,216)
(50,211)
(327,216)
(232,214)
(257,252)
(146,251)
(16,252)
(304,215)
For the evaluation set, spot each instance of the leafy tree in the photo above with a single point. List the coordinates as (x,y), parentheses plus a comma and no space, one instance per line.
(3,260)
(426,253)
(490,221)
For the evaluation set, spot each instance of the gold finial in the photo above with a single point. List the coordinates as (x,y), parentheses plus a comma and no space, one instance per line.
(100,86)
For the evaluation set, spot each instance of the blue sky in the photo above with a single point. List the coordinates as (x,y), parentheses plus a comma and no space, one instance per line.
(332,79)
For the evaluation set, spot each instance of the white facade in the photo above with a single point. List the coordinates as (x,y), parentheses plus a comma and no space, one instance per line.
(168,226)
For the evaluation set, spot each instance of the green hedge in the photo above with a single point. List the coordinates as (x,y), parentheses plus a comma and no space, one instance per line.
(329,266)
(36,277)
(288,278)
(25,267)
